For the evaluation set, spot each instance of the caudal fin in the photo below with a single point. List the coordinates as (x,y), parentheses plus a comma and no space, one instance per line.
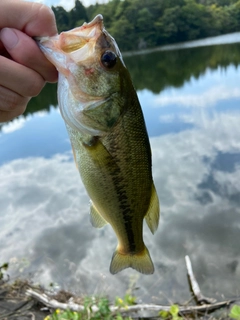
(141,262)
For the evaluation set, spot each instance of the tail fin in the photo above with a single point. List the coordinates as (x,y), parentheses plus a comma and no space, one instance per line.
(141,262)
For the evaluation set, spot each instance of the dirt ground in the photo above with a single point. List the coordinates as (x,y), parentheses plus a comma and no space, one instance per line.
(14,304)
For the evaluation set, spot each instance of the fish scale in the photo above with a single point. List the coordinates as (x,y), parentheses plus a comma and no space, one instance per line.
(109,138)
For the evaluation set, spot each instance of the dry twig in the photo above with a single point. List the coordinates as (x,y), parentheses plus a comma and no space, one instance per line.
(54,304)
(207,304)
(201,299)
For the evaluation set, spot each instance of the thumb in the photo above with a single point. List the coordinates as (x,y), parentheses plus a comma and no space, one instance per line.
(24,50)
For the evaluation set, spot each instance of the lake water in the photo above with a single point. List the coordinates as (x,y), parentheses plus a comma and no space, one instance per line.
(191,102)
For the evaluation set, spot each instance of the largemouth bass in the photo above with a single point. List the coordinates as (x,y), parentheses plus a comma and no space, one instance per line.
(109,138)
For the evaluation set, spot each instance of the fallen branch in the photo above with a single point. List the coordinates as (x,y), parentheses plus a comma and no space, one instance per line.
(207,304)
(54,304)
(194,285)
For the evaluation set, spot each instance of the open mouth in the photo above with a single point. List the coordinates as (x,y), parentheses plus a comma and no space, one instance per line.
(77,38)
(77,43)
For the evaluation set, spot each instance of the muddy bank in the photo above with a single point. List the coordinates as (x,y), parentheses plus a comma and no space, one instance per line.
(15,304)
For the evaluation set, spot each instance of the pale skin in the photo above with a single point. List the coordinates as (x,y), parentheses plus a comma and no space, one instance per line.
(24,70)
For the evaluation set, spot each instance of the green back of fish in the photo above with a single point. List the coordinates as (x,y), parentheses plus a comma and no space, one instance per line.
(116,171)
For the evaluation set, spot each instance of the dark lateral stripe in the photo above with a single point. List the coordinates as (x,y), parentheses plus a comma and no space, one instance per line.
(125,207)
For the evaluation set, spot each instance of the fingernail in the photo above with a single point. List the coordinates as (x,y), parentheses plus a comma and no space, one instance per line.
(8,38)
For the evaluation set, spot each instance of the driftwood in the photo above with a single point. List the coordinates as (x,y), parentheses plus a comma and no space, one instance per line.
(194,285)
(54,304)
(207,304)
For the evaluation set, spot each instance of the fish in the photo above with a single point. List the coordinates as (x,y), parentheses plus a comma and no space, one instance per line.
(109,139)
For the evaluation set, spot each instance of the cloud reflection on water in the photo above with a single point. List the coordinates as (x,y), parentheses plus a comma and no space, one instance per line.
(207,98)
(207,91)
(44,218)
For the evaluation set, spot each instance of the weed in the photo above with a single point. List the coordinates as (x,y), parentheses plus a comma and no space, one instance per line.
(128,300)
(103,312)
(3,269)
(171,314)
(235,312)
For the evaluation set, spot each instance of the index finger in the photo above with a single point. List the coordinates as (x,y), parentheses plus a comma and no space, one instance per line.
(32,18)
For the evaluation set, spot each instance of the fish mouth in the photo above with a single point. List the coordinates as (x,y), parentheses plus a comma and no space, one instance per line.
(78,43)
(68,51)
(77,38)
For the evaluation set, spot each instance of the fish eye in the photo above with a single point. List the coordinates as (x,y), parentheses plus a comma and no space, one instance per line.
(109,59)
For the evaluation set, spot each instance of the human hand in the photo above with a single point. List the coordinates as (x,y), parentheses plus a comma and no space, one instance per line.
(24,69)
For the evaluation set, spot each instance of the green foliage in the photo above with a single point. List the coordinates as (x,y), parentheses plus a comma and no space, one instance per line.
(103,312)
(44,101)
(3,269)
(172,314)
(62,18)
(128,300)
(159,70)
(103,308)
(77,15)
(136,24)
(61,315)
(235,312)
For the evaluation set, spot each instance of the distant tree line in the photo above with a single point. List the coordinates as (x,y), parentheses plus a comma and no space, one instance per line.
(159,70)
(137,24)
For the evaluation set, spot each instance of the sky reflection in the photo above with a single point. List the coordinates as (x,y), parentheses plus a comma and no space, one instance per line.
(195,138)
(43,134)
(45,218)
(174,109)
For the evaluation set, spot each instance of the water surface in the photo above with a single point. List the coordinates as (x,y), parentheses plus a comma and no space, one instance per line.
(191,103)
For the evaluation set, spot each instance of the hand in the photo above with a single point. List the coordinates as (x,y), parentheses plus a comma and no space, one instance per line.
(24,69)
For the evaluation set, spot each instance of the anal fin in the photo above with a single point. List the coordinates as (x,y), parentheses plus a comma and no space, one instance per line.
(153,213)
(96,219)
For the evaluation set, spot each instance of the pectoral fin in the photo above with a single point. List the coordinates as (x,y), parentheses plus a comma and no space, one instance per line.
(96,219)
(153,213)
